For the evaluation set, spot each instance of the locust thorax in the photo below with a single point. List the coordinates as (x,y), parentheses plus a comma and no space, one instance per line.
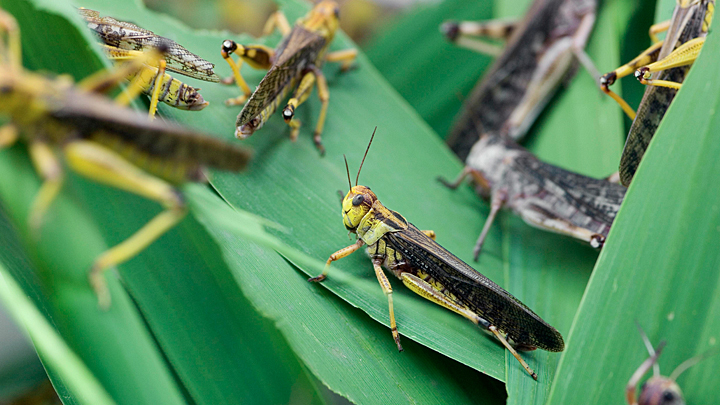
(323,19)
(27,97)
(660,391)
(489,157)
(356,205)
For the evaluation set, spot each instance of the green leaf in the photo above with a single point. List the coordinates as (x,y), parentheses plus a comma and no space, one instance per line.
(660,264)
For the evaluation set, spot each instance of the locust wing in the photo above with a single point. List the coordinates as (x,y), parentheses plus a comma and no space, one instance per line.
(687,24)
(96,118)
(475,291)
(128,36)
(297,51)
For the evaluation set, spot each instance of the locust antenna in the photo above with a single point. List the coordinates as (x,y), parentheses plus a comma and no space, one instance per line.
(347,169)
(366,152)
(691,362)
(649,347)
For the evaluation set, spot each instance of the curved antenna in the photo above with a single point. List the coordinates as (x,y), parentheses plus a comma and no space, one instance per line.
(347,169)
(366,152)
(649,347)
(691,362)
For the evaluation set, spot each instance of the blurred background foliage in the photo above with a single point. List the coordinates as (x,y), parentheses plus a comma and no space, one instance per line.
(211,313)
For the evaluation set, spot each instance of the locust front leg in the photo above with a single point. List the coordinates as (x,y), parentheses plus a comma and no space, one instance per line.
(387,289)
(301,94)
(344,252)
(105,166)
(49,168)
(466,34)
(499,198)
(683,55)
(257,56)
(346,56)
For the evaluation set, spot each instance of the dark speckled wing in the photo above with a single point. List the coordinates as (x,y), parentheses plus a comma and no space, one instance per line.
(475,291)
(98,119)
(656,100)
(299,49)
(598,199)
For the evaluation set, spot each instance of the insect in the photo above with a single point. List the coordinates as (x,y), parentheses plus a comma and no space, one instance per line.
(658,390)
(103,142)
(540,51)
(123,41)
(543,195)
(295,64)
(686,33)
(431,271)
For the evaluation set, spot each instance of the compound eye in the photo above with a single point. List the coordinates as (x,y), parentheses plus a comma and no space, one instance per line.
(357,200)
(336,10)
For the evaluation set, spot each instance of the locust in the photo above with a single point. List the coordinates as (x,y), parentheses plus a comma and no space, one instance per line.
(103,141)
(686,32)
(543,195)
(123,41)
(296,63)
(658,390)
(434,273)
(541,49)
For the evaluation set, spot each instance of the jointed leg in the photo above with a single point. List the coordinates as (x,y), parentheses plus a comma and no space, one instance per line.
(257,56)
(658,28)
(387,289)
(684,55)
(301,94)
(157,86)
(467,171)
(277,19)
(505,343)
(344,252)
(346,56)
(465,34)
(49,168)
(498,200)
(13,54)
(324,96)
(107,167)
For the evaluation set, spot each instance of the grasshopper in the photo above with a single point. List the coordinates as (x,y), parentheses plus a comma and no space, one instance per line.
(295,63)
(686,33)
(123,41)
(658,390)
(103,142)
(540,51)
(434,273)
(543,195)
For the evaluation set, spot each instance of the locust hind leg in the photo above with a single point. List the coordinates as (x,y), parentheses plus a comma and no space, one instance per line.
(49,168)
(427,291)
(301,94)
(683,55)
(540,219)
(467,34)
(257,56)
(105,166)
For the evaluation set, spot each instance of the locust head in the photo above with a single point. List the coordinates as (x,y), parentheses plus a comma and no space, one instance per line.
(356,205)
(323,19)
(245,130)
(489,158)
(659,390)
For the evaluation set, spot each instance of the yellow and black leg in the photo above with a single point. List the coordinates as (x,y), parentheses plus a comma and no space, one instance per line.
(257,56)
(683,55)
(344,252)
(467,34)
(157,86)
(50,170)
(105,166)
(301,94)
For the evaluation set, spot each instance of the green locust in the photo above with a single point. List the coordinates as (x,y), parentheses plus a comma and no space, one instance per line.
(434,273)
(686,32)
(296,63)
(123,41)
(540,52)
(104,142)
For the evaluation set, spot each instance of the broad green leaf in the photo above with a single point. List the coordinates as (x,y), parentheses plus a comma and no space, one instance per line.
(660,266)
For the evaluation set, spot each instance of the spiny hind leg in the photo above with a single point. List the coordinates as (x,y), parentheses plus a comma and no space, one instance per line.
(105,166)
(647,56)
(683,55)
(467,34)
(49,168)
(257,56)
(541,220)
(301,94)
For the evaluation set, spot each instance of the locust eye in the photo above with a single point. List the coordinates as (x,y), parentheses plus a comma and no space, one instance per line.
(336,11)
(668,397)
(358,200)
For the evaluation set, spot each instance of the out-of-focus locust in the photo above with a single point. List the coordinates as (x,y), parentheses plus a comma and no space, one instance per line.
(686,33)
(540,51)
(434,273)
(543,195)
(103,142)
(123,41)
(658,390)
(295,64)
